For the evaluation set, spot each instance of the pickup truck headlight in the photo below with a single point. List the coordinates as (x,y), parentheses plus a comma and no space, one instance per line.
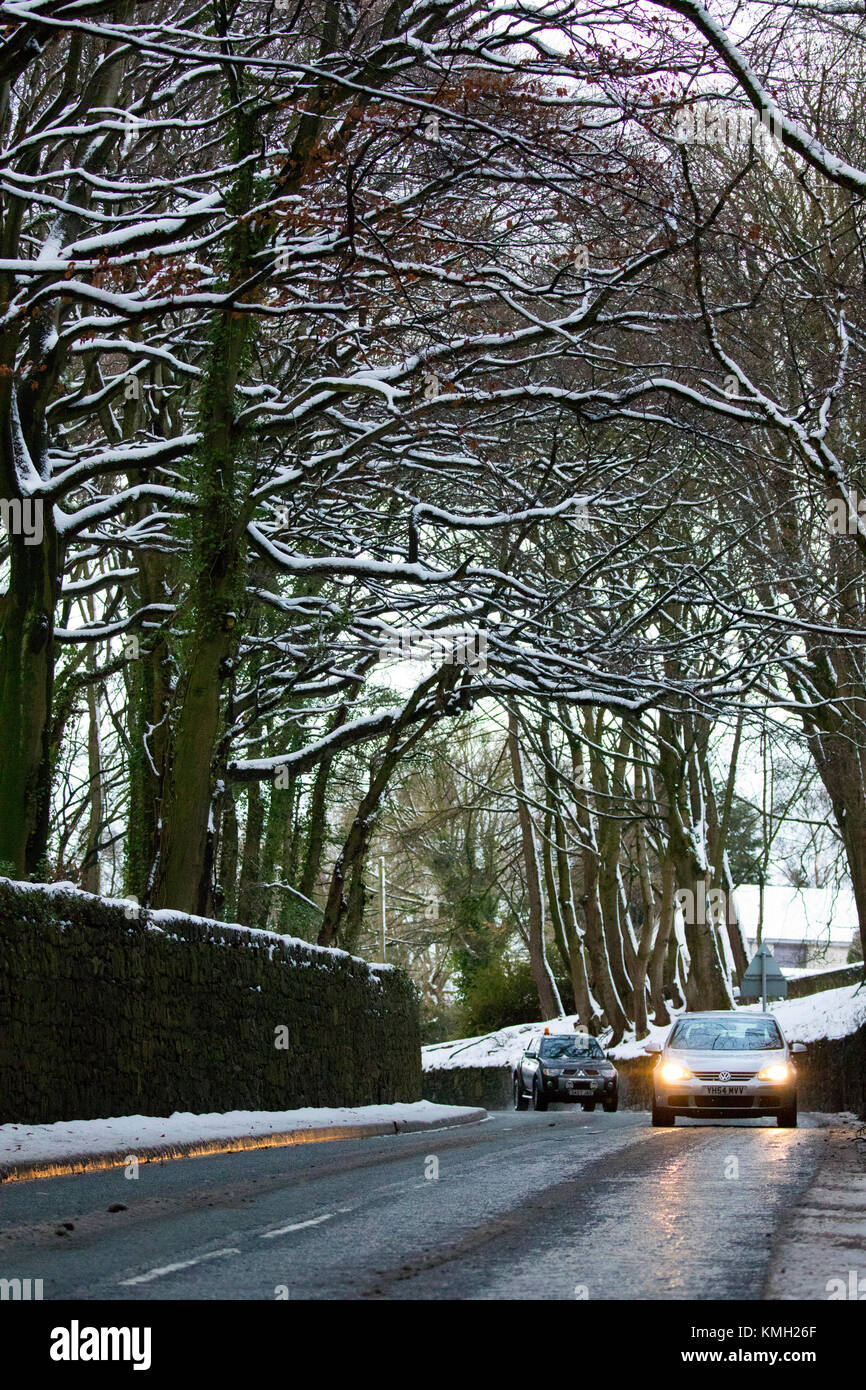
(549,1071)
(672,1071)
(779,1071)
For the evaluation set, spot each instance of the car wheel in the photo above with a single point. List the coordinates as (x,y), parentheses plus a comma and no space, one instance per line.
(662,1116)
(520,1101)
(609,1106)
(787,1118)
(539,1102)
(589,1106)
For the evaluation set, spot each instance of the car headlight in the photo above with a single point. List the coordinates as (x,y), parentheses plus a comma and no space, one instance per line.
(779,1071)
(672,1071)
(549,1071)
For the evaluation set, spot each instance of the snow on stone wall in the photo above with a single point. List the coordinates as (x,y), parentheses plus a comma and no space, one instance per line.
(107,1010)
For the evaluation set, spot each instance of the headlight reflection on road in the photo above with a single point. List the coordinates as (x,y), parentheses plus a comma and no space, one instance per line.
(671,1214)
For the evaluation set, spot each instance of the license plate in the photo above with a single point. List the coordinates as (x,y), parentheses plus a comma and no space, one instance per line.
(725,1090)
(578,1086)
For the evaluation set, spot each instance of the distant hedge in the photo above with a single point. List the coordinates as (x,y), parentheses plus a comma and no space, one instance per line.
(106,1011)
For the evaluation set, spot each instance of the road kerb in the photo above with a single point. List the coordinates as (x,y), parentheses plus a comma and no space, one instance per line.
(71,1164)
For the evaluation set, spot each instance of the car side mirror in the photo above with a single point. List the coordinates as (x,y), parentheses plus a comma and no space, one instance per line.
(533,1055)
(651,1048)
(798,1047)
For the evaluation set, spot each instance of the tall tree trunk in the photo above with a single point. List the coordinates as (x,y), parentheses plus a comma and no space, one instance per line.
(229,845)
(609,844)
(716,837)
(28,607)
(650,919)
(548,995)
(356,899)
(319,815)
(218,576)
(91,867)
(720,819)
(707,985)
(664,935)
(559,887)
(26,686)
(248,888)
(149,687)
(601,979)
(279,816)
(357,841)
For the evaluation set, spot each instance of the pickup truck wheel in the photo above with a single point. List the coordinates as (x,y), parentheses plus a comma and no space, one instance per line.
(589,1106)
(539,1102)
(520,1101)
(787,1118)
(663,1118)
(609,1106)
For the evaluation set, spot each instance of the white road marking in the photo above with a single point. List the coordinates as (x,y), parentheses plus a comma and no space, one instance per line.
(182,1264)
(299,1226)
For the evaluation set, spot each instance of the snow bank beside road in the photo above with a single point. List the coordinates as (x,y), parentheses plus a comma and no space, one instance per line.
(504,1048)
(75,1145)
(500,1049)
(834,1013)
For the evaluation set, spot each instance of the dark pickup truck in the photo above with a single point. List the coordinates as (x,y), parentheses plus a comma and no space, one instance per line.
(565,1067)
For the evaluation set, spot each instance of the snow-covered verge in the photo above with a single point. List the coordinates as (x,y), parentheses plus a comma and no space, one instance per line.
(832,1014)
(500,1049)
(68,1145)
(503,1048)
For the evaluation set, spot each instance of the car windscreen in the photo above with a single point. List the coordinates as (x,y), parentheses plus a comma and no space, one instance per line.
(560,1049)
(726,1035)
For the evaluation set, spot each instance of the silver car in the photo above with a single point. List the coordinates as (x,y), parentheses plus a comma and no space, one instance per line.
(725,1065)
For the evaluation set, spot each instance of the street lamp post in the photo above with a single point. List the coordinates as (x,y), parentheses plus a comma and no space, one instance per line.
(382,904)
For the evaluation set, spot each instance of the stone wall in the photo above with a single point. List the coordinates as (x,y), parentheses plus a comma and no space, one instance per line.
(825,979)
(487,1086)
(106,1011)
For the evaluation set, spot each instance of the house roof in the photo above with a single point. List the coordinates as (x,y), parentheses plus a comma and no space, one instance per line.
(825,916)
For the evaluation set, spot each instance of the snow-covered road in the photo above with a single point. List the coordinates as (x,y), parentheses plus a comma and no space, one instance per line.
(559,1206)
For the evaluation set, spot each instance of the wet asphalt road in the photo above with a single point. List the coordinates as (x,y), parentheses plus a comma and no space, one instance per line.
(560,1205)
